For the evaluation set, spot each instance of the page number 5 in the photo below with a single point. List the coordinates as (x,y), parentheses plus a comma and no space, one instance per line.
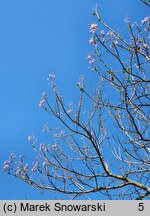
(141,206)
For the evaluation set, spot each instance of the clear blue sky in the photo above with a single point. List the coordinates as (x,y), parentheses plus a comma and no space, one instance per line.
(36,38)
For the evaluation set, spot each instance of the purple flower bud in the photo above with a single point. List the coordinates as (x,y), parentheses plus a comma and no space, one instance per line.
(102,33)
(31,138)
(69,111)
(54,147)
(145,46)
(93,40)
(91,59)
(42,147)
(93,27)
(34,169)
(45,163)
(21,159)
(127,20)
(26,167)
(6,165)
(146,19)
(12,157)
(35,166)
(51,77)
(110,33)
(18,171)
(42,102)
(47,148)
(44,95)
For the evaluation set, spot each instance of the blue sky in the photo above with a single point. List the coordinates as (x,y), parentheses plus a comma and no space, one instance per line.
(37,38)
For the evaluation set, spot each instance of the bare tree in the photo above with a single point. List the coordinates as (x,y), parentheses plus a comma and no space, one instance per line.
(102,144)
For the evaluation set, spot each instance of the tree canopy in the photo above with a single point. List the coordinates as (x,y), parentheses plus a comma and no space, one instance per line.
(102,142)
